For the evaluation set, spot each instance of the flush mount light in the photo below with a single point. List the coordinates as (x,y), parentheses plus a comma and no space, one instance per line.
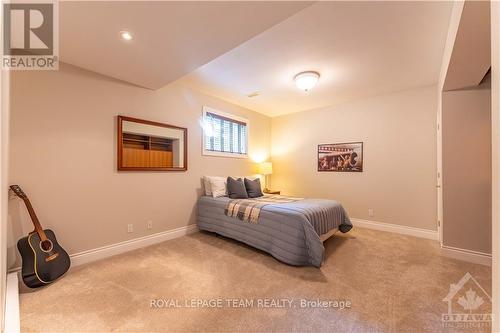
(306,80)
(126,35)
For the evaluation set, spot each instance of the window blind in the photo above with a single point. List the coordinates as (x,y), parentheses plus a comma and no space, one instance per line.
(226,135)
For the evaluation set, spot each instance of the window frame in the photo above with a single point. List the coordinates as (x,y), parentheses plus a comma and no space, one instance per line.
(207,152)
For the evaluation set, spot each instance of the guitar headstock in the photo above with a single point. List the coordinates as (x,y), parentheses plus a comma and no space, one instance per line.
(18,191)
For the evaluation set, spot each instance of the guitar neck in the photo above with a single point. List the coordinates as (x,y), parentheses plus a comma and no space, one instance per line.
(34,219)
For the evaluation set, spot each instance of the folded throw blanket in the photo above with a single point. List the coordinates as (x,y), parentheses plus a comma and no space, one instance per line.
(248,210)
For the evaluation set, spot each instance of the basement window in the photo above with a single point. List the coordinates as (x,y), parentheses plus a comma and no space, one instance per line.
(224,134)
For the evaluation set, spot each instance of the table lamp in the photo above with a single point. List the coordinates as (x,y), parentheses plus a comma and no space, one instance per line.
(266,169)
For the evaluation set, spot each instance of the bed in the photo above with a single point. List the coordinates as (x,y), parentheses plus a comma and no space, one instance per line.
(292,232)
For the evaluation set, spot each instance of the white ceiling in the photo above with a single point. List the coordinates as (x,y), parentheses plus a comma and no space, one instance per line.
(360,48)
(171,39)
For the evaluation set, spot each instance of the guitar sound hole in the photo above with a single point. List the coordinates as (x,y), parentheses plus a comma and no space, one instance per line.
(46,245)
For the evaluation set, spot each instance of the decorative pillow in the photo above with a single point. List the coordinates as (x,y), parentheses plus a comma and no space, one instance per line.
(218,186)
(236,188)
(253,187)
(206,185)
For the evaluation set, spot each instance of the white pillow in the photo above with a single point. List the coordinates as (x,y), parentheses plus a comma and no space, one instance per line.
(206,185)
(218,186)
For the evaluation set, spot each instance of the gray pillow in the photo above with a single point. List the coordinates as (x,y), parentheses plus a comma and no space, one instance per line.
(253,187)
(236,188)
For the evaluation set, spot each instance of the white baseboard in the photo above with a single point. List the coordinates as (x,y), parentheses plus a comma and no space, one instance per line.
(466,255)
(447,251)
(12,319)
(396,228)
(99,253)
(129,245)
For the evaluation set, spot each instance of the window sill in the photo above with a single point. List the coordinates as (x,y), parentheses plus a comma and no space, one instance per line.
(221,154)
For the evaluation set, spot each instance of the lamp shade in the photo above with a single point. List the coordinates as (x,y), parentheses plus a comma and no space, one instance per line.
(266,168)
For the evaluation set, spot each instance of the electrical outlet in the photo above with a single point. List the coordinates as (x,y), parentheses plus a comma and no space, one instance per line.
(370,212)
(150,225)
(130,228)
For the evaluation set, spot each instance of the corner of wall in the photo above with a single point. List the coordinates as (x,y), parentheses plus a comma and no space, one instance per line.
(456,14)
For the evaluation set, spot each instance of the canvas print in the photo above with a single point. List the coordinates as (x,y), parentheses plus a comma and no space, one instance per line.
(341,157)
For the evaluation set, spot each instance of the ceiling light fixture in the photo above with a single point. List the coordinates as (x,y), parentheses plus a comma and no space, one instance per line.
(126,35)
(306,80)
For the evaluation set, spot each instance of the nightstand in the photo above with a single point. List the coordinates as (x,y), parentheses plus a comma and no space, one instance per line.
(272,192)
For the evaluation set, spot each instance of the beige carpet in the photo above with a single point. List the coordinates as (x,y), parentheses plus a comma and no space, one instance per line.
(395,283)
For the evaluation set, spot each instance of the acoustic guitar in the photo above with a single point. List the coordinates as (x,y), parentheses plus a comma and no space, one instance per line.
(44,260)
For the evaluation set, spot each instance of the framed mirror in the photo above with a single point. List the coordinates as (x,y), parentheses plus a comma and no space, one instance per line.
(145,145)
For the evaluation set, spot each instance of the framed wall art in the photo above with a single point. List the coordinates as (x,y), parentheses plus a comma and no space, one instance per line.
(341,157)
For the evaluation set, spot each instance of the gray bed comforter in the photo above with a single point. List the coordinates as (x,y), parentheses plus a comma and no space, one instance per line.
(288,231)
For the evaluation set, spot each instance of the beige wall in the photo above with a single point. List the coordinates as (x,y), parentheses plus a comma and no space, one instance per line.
(63,154)
(4,149)
(467,169)
(399,135)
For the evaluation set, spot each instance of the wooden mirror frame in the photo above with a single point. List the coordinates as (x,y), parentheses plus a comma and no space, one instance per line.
(147,122)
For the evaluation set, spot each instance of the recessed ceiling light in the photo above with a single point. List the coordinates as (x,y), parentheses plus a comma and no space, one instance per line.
(126,35)
(306,80)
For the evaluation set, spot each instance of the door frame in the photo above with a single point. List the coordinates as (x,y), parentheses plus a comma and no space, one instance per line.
(439,168)
(495,158)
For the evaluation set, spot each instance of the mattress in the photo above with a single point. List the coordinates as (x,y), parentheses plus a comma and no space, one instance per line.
(288,231)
